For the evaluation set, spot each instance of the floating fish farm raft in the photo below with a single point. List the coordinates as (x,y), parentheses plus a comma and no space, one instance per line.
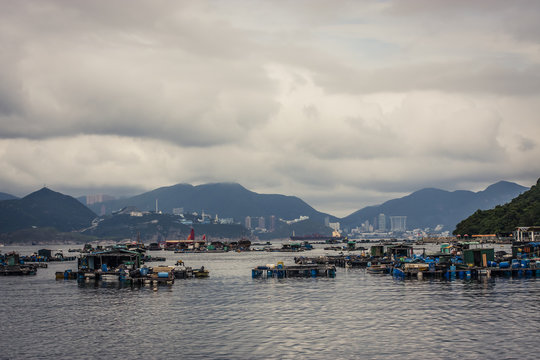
(11,264)
(283,271)
(517,268)
(126,266)
(337,260)
(459,260)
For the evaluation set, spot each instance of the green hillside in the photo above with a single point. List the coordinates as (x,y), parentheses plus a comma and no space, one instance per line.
(44,208)
(524,210)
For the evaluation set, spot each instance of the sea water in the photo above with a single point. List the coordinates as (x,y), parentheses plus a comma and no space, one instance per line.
(229,315)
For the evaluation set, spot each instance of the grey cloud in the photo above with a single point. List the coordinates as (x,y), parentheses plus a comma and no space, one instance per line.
(196,88)
(343,103)
(471,77)
(526,144)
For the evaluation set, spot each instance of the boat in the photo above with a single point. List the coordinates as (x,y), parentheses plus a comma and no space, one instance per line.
(201,273)
(189,244)
(154,247)
(376,269)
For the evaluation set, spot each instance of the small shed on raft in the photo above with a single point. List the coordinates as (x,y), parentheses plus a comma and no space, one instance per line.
(478,257)
(45,253)
(109,259)
(377,250)
(400,251)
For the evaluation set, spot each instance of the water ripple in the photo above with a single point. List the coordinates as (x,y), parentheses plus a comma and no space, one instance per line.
(231,316)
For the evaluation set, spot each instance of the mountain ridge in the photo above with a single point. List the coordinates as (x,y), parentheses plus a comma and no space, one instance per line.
(429,207)
(6,196)
(227,200)
(425,208)
(44,208)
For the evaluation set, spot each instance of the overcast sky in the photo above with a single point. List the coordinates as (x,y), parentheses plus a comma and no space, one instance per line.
(342,103)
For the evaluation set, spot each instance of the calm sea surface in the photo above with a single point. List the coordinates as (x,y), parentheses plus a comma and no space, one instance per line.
(232,316)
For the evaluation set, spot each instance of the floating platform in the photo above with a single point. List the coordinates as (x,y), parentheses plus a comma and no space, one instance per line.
(153,259)
(15,270)
(470,273)
(155,275)
(306,270)
(148,279)
(354,261)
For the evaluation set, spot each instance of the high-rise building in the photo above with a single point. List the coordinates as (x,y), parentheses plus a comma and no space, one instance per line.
(382,222)
(398,223)
(365,226)
(248,222)
(97,198)
(262,223)
(273,223)
(335,226)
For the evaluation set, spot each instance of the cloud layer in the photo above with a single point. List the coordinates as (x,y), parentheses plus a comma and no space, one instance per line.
(344,103)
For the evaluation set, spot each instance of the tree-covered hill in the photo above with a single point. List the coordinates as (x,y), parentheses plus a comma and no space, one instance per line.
(44,208)
(524,210)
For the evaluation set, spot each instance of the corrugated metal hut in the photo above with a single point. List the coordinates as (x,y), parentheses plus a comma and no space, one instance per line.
(478,257)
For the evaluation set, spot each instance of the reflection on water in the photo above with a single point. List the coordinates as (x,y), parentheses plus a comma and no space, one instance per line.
(230,315)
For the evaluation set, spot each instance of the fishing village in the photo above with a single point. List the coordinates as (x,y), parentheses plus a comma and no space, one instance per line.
(132,264)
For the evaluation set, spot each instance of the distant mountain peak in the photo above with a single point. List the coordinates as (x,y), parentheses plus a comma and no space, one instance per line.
(504,185)
(44,208)
(226,199)
(430,207)
(44,191)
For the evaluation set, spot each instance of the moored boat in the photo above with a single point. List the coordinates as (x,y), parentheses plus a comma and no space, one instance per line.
(377,268)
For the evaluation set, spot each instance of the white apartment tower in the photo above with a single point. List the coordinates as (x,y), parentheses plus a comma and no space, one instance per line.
(382,222)
(398,223)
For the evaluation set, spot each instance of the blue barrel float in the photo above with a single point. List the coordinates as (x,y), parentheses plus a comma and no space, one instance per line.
(66,274)
(332,273)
